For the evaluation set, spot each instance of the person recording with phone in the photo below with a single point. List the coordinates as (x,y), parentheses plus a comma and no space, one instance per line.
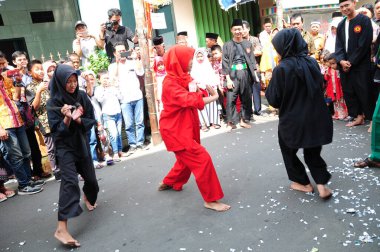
(112,32)
(124,74)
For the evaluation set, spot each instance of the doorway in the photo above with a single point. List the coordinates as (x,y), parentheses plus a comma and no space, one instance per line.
(9,46)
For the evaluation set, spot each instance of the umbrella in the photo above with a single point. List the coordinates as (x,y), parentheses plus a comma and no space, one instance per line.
(227,4)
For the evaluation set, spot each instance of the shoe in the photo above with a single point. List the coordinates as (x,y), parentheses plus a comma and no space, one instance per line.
(131,150)
(258,113)
(28,190)
(98,165)
(116,158)
(11,184)
(37,183)
(139,147)
(57,175)
(367,162)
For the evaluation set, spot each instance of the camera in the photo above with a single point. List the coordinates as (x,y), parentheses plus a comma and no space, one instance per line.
(13,73)
(126,54)
(110,24)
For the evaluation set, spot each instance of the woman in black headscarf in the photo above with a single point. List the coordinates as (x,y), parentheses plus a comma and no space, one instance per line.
(71,115)
(296,89)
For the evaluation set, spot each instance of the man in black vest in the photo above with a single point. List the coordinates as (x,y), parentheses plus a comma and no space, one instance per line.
(239,66)
(353,51)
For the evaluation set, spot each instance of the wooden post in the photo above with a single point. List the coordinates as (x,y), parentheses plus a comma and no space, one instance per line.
(280,14)
(141,29)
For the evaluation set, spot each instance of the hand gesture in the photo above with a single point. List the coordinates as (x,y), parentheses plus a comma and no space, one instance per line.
(77,113)
(3,134)
(66,110)
(42,86)
(230,85)
(193,86)
(211,91)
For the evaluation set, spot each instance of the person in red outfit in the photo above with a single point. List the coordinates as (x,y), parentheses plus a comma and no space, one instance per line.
(179,127)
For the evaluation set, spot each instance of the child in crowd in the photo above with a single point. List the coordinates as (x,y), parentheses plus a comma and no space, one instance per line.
(203,74)
(109,96)
(37,95)
(49,68)
(216,52)
(334,89)
(92,134)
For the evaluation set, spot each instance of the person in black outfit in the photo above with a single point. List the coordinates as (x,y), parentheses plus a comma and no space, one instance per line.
(239,66)
(71,116)
(305,122)
(353,51)
(118,33)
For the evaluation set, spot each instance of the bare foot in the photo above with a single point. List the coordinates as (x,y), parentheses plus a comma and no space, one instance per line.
(244,124)
(229,129)
(358,121)
(217,206)
(88,204)
(302,188)
(164,187)
(65,238)
(370,127)
(324,192)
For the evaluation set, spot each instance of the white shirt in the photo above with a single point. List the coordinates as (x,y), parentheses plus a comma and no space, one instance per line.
(347,32)
(88,46)
(109,99)
(264,37)
(126,79)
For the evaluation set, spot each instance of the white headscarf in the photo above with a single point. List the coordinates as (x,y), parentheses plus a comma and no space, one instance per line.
(203,73)
(331,38)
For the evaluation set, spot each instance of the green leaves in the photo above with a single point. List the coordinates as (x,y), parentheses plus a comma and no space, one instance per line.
(98,61)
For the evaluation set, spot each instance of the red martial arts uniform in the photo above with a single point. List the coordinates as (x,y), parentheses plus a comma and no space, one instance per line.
(179,127)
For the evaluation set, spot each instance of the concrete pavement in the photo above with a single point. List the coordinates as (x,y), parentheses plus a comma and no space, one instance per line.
(265,216)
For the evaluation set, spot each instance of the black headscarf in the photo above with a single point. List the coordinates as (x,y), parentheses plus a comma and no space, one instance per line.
(290,45)
(58,86)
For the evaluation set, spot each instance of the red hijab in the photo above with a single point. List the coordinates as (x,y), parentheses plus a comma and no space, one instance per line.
(177,61)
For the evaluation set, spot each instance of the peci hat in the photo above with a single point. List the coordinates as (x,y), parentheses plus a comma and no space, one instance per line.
(237,22)
(212,35)
(158,40)
(315,23)
(80,22)
(182,33)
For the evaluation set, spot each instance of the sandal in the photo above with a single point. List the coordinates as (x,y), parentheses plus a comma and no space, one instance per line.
(3,197)
(205,129)
(367,163)
(216,126)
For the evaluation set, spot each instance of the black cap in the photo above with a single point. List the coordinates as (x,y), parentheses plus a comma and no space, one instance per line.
(341,1)
(212,35)
(80,22)
(237,22)
(182,33)
(336,14)
(158,40)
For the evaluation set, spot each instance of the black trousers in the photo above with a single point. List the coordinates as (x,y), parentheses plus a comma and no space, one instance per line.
(358,93)
(242,89)
(256,90)
(35,152)
(69,193)
(296,170)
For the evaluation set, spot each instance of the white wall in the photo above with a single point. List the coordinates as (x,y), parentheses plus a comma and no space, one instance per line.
(94,12)
(184,19)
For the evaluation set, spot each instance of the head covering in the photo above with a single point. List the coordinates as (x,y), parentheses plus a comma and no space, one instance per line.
(58,86)
(203,73)
(177,61)
(182,33)
(292,48)
(212,35)
(335,23)
(237,22)
(46,65)
(315,23)
(79,23)
(158,40)
(341,1)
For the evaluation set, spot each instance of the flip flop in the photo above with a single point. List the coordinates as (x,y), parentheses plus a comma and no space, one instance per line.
(4,198)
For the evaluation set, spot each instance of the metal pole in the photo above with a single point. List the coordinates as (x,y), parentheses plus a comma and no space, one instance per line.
(141,29)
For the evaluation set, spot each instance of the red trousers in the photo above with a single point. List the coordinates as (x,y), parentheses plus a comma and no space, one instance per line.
(198,162)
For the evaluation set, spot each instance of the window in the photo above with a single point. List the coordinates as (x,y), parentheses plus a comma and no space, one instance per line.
(42,16)
(1,21)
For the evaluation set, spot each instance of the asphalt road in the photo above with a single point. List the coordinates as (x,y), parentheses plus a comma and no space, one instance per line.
(265,215)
